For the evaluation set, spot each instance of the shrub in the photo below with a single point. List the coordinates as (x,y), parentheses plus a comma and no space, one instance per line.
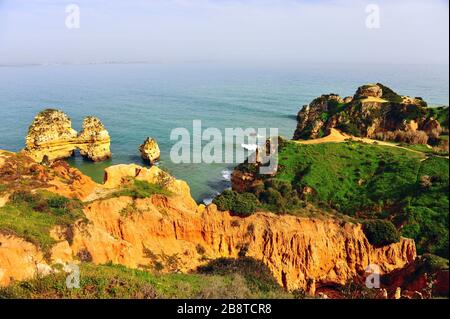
(272,197)
(240,204)
(20,197)
(349,128)
(225,200)
(380,232)
(284,187)
(244,204)
(409,137)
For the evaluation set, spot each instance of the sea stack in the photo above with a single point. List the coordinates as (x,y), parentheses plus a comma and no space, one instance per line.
(150,150)
(51,137)
(94,140)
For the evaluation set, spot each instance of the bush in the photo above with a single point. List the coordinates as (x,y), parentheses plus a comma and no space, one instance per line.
(283,187)
(26,197)
(240,204)
(380,232)
(349,128)
(272,197)
(245,204)
(409,137)
(225,200)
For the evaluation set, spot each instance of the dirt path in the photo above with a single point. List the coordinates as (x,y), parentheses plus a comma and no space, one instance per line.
(99,192)
(337,136)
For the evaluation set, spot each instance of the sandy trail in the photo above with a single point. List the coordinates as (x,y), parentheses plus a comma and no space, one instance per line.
(337,136)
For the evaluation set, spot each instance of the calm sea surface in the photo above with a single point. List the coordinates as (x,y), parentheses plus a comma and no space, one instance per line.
(139,100)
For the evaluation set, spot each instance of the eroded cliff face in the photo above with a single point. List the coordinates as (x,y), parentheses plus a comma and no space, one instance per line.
(297,250)
(51,137)
(176,234)
(374,109)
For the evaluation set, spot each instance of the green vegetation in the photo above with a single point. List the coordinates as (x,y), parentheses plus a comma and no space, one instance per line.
(425,149)
(441,114)
(334,107)
(371,181)
(425,215)
(141,189)
(389,94)
(240,204)
(349,128)
(32,215)
(258,276)
(365,182)
(376,182)
(380,232)
(114,281)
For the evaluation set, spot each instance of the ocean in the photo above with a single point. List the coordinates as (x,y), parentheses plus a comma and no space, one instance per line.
(137,100)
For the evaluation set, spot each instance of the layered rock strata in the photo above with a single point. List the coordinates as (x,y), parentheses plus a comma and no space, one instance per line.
(51,137)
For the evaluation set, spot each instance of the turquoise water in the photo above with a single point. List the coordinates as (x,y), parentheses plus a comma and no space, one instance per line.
(139,100)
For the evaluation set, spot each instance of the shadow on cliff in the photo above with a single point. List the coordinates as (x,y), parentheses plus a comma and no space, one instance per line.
(257,275)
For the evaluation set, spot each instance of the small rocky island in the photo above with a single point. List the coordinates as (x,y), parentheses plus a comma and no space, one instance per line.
(150,150)
(51,137)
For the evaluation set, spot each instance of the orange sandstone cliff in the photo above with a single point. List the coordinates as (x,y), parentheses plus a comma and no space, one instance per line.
(140,233)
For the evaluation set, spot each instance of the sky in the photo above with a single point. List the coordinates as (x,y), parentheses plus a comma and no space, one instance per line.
(225,31)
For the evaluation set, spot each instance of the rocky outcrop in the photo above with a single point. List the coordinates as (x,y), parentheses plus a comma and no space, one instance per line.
(150,150)
(373,112)
(242,181)
(175,232)
(93,140)
(20,260)
(51,137)
(427,276)
(369,90)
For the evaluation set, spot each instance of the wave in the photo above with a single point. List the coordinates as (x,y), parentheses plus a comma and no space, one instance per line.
(226,175)
(250,147)
(208,200)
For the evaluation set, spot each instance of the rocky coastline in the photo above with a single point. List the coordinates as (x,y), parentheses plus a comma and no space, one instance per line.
(143,218)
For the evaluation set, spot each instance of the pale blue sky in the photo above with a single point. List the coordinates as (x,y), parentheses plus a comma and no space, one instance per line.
(226,31)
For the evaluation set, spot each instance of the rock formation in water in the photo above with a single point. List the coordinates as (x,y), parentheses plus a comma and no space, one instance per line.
(93,140)
(139,232)
(375,111)
(51,137)
(150,150)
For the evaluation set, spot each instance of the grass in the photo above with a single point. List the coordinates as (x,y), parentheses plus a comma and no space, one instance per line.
(375,182)
(115,281)
(141,189)
(426,212)
(350,176)
(32,215)
(425,149)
